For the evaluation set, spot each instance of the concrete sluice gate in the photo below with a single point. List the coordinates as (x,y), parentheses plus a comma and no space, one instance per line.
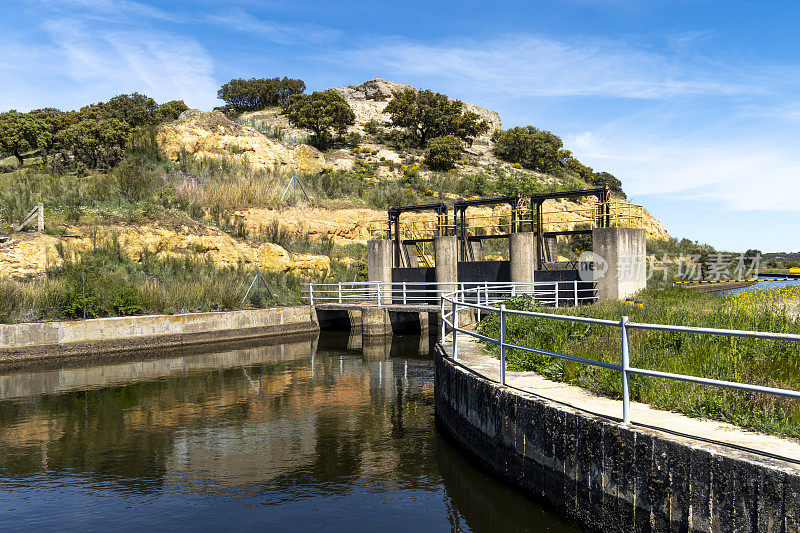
(618,269)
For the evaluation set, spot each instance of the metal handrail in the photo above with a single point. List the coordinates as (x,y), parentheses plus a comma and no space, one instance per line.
(548,293)
(457,302)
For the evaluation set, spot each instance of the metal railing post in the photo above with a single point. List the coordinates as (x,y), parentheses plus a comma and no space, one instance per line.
(455,328)
(626,401)
(556,284)
(576,292)
(379,293)
(340,292)
(404,293)
(502,344)
(485,293)
(311,293)
(441,314)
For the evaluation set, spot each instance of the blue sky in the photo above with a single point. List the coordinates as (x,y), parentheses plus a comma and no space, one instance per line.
(694,105)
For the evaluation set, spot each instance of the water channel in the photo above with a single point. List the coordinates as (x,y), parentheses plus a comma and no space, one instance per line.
(309,435)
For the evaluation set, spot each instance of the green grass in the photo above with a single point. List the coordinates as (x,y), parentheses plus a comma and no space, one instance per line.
(761,362)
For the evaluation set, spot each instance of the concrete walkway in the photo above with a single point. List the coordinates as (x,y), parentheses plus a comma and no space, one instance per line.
(672,425)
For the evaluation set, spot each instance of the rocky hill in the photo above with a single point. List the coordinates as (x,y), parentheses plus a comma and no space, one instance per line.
(265,140)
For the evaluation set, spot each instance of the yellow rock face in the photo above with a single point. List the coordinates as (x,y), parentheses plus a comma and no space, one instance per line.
(32,254)
(28,254)
(345,226)
(213,135)
(348,226)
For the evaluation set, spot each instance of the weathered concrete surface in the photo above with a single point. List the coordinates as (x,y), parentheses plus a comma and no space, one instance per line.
(27,342)
(379,264)
(666,472)
(624,251)
(445,249)
(522,256)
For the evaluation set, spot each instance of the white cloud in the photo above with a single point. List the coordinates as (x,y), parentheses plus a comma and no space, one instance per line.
(276,32)
(85,63)
(738,174)
(531,66)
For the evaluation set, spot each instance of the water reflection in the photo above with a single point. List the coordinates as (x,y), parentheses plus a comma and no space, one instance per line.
(304,435)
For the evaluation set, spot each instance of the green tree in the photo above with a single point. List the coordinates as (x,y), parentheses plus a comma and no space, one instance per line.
(21,132)
(258,93)
(443,152)
(532,148)
(319,112)
(426,114)
(601,179)
(135,109)
(579,169)
(96,142)
(171,110)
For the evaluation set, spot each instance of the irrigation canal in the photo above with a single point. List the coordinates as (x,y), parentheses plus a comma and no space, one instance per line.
(765,282)
(309,435)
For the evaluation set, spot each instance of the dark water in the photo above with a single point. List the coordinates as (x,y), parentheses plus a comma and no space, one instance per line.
(294,437)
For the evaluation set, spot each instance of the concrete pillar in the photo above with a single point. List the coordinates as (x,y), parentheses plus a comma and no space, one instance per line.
(624,272)
(445,250)
(379,265)
(379,260)
(522,255)
(375,322)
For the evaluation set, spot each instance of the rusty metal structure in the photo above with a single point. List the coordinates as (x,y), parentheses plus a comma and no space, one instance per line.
(527,214)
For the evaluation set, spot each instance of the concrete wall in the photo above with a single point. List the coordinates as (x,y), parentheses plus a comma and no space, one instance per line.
(608,476)
(19,342)
(623,250)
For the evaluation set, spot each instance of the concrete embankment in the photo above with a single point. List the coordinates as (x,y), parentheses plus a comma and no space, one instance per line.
(651,476)
(21,343)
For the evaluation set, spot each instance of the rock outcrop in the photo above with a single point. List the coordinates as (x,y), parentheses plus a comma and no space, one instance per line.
(369,99)
(213,135)
(30,254)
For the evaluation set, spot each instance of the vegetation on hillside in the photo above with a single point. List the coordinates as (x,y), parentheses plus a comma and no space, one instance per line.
(760,362)
(543,151)
(426,115)
(259,93)
(319,112)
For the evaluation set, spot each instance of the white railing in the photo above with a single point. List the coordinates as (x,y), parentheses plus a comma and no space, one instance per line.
(458,301)
(549,293)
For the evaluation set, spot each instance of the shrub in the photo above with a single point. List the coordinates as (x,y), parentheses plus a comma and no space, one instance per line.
(126,302)
(371,127)
(353,139)
(443,152)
